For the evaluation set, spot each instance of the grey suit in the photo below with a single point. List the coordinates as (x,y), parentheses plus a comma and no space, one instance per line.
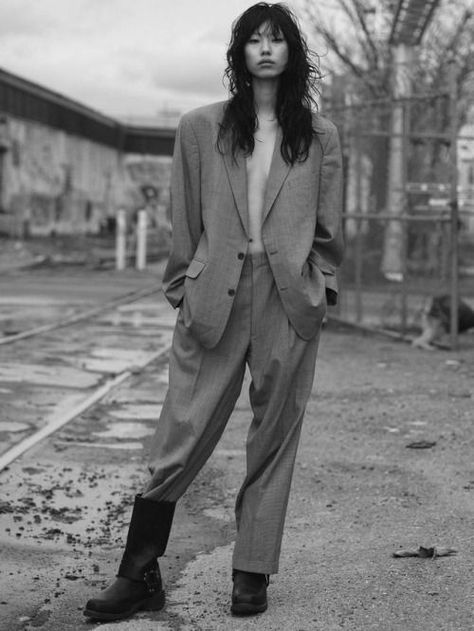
(301,227)
(236,309)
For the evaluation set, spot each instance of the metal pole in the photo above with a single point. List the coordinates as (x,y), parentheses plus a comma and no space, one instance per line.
(453,117)
(404,225)
(358,244)
(140,261)
(346,155)
(120,239)
(392,264)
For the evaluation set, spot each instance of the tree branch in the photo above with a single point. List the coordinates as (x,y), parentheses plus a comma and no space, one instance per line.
(361,12)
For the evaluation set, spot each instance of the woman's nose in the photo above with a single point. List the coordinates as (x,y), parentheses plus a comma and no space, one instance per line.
(265,45)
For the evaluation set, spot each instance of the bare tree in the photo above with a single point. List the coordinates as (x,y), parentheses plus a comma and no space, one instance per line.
(356,34)
(355,48)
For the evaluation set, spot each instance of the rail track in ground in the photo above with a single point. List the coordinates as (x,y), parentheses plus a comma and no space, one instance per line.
(52,372)
(83,376)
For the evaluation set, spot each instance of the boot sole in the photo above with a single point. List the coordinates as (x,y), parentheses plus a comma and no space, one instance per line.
(246,609)
(155,603)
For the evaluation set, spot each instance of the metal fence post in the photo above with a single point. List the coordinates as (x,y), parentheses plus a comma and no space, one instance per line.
(404,224)
(453,117)
(359,235)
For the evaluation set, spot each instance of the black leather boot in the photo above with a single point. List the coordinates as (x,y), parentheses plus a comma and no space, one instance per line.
(138,585)
(249,594)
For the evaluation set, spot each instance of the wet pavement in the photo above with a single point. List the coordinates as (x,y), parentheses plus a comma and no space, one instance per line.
(359,492)
(44,376)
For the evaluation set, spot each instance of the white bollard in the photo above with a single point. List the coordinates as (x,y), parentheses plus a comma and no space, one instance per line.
(140,260)
(121,240)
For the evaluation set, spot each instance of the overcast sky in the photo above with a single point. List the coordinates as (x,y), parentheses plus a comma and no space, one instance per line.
(122,57)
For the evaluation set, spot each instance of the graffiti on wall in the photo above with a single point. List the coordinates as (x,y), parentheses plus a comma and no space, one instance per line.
(149,188)
(56,183)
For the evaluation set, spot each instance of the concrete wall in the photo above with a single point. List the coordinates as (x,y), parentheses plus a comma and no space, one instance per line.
(56,183)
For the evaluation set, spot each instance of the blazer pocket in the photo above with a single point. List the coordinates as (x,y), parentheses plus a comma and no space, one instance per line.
(195,268)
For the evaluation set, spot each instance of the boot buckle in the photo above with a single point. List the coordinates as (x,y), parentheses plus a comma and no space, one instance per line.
(150,578)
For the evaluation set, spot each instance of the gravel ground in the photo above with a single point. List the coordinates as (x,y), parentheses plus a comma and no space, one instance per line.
(385,465)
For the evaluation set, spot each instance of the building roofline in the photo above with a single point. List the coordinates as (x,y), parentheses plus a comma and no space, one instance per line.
(55,97)
(27,100)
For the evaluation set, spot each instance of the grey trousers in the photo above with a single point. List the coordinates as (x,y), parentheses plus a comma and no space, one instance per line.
(204,385)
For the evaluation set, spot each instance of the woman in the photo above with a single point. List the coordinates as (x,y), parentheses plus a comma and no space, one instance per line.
(256,195)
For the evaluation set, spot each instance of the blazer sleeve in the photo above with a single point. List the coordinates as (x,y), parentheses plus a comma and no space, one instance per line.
(186,215)
(328,245)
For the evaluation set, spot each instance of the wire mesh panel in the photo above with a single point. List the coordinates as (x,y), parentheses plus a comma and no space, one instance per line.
(406,239)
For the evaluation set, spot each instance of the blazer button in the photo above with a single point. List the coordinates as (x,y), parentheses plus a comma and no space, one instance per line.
(231,292)
(240,255)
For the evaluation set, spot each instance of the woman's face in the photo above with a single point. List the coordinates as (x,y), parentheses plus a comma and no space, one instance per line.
(266,54)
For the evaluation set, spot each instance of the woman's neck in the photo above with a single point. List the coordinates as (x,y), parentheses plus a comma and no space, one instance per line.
(265,97)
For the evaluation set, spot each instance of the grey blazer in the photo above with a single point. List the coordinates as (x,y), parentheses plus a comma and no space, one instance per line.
(301,228)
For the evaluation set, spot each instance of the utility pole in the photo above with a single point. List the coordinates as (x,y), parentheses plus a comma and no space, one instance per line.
(392,264)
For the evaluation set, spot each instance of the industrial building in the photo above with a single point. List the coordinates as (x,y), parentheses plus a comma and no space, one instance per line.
(66,168)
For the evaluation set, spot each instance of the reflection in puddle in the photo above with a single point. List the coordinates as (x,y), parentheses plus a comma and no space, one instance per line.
(126,430)
(40,374)
(102,445)
(143,411)
(12,426)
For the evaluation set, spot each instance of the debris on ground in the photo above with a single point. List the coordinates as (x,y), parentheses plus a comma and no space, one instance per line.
(425,553)
(421,444)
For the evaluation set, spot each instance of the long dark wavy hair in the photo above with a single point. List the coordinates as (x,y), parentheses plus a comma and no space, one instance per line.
(296,90)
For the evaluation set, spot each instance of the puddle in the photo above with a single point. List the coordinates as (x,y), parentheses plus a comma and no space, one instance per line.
(112,366)
(114,360)
(134,308)
(12,426)
(101,445)
(126,430)
(63,376)
(146,316)
(30,301)
(135,319)
(140,625)
(162,377)
(143,411)
(121,354)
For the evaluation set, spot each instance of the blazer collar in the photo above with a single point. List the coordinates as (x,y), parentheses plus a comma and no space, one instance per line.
(237,174)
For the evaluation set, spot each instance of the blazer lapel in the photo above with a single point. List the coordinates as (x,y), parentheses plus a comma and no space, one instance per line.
(237,174)
(278,172)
